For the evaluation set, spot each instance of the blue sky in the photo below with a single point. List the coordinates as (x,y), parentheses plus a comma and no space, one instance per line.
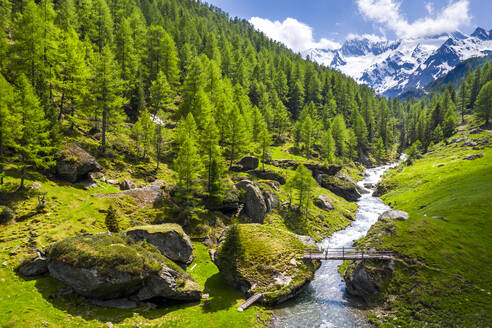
(302,23)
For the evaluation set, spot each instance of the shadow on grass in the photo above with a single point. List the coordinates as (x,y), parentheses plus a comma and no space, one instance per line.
(221,295)
(76,305)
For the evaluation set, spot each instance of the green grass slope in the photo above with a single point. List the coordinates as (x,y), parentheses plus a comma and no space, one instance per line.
(445,276)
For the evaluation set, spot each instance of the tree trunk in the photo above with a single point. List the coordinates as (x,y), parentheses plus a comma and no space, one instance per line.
(104,126)
(23,174)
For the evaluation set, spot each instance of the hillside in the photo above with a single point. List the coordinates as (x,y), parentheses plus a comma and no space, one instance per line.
(442,277)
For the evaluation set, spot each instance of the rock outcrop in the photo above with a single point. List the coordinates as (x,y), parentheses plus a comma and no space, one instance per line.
(340,185)
(260,259)
(393,215)
(75,163)
(268,175)
(106,266)
(368,279)
(254,202)
(34,267)
(324,203)
(249,163)
(127,185)
(169,239)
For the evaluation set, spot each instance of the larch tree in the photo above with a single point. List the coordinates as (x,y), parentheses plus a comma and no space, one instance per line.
(265,140)
(302,181)
(340,135)
(159,136)
(213,160)
(9,120)
(237,138)
(462,100)
(161,94)
(73,76)
(187,166)
(483,106)
(328,146)
(107,90)
(32,140)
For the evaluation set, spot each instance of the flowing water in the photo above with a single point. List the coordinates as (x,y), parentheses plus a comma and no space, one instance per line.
(324,302)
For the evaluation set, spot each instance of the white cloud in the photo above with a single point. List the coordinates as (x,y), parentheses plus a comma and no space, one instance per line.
(387,13)
(294,34)
(430,8)
(370,37)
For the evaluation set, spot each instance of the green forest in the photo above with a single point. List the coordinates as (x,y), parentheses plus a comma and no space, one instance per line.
(179,95)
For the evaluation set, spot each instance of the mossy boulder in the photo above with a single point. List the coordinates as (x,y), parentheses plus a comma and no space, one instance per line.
(368,279)
(105,266)
(168,238)
(74,163)
(340,185)
(261,259)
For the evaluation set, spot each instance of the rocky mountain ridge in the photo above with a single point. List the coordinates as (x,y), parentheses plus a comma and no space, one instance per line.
(394,67)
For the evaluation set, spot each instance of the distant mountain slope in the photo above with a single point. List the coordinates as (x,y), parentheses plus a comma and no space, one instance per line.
(454,77)
(394,67)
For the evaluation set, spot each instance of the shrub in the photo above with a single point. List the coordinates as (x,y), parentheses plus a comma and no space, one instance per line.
(112,220)
(6,215)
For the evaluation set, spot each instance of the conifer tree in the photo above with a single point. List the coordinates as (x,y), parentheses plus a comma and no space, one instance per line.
(463,99)
(360,130)
(187,166)
(126,54)
(303,182)
(194,81)
(449,123)
(214,163)
(475,87)
(328,146)
(107,90)
(380,149)
(159,136)
(32,140)
(307,135)
(237,135)
(9,120)
(340,135)
(437,134)
(161,94)
(102,32)
(146,132)
(186,128)
(483,106)
(265,140)
(73,76)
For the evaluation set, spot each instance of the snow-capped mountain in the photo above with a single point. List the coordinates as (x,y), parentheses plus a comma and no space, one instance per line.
(393,67)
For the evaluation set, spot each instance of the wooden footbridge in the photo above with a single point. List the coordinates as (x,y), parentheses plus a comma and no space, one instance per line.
(346,253)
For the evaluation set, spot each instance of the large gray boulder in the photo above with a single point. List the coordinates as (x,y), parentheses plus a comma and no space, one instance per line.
(167,284)
(254,202)
(340,185)
(249,163)
(393,215)
(368,279)
(105,266)
(91,282)
(268,175)
(169,239)
(324,203)
(75,163)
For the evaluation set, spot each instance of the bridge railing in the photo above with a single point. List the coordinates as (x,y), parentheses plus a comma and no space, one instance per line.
(347,251)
